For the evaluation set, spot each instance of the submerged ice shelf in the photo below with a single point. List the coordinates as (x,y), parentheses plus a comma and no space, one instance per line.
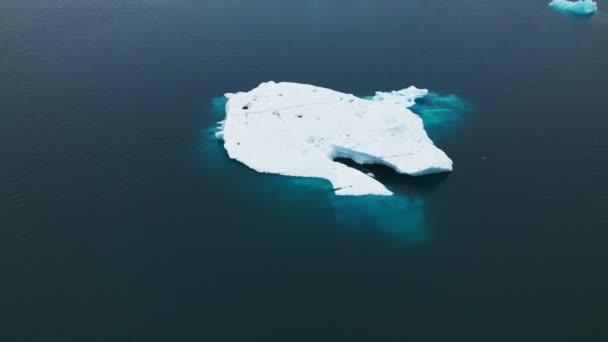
(581,7)
(298,130)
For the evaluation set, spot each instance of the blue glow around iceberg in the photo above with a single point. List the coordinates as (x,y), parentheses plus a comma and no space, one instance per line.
(218,106)
(439,109)
(439,112)
(582,7)
(400,217)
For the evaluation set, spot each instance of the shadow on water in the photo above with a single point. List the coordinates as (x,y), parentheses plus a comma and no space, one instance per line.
(400,217)
(397,182)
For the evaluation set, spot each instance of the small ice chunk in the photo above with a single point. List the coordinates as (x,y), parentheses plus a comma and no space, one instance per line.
(581,7)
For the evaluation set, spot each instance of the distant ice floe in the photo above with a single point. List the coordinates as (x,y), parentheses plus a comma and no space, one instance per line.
(299,130)
(582,7)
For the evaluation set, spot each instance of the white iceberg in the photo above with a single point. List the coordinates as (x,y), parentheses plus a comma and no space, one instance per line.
(582,7)
(298,130)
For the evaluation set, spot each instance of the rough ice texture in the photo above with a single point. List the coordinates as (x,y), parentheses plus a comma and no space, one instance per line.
(298,130)
(582,7)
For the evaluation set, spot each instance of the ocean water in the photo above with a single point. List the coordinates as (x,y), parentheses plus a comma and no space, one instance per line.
(121,219)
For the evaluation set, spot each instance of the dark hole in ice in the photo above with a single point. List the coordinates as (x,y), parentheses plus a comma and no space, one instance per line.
(422,101)
(245,107)
(299,116)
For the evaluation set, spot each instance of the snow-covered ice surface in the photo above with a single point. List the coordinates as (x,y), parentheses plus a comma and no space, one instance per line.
(582,7)
(298,130)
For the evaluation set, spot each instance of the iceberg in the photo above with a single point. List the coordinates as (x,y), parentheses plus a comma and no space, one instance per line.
(299,130)
(581,7)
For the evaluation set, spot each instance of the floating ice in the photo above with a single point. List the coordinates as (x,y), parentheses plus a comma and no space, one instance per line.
(581,7)
(298,130)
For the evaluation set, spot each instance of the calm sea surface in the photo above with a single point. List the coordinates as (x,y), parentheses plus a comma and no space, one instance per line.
(121,220)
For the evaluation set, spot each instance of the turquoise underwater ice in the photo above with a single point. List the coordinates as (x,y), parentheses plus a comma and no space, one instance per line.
(582,7)
(439,112)
(401,217)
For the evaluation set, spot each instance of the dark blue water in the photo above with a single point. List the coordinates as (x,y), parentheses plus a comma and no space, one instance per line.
(120,221)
